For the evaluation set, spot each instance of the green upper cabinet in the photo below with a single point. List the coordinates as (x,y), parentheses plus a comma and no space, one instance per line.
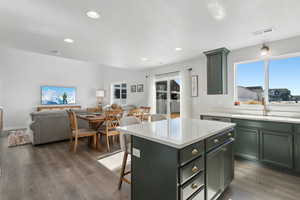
(217,71)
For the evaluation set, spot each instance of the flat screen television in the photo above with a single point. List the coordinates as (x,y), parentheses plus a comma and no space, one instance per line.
(54,95)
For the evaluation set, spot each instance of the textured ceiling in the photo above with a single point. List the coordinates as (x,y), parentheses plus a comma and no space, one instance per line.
(131,29)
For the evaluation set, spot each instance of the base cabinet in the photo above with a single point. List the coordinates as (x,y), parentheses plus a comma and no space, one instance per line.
(277,148)
(274,143)
(297,152)
(215,162)
(247,143)
(220,170)
(228,165)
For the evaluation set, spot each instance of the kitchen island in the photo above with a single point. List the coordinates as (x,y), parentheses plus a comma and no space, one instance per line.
(181,159)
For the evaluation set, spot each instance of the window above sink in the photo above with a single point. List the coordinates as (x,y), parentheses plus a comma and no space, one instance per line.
(275,79)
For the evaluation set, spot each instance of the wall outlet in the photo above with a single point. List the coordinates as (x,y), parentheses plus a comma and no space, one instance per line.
(136,152)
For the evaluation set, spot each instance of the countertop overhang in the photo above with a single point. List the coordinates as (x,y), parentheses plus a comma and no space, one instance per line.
(178,132)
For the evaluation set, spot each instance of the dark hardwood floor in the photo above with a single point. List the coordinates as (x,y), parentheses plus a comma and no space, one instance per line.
(52,172)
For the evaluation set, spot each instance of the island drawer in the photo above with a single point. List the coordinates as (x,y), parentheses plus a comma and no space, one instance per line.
(217,140)
(190,152)
(198,195)
(192,186)
(191,169)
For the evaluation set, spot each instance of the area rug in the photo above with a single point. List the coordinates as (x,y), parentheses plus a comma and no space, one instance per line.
(113,162)
(18,137)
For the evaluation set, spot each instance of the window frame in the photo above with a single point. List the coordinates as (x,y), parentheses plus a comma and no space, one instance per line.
(113,93)
(266,61)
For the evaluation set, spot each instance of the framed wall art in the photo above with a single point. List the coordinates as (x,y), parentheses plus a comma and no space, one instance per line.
(194,85)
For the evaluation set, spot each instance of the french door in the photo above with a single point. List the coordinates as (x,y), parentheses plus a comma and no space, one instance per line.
(168,96)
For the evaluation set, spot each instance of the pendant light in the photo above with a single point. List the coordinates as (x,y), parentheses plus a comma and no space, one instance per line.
(265,50)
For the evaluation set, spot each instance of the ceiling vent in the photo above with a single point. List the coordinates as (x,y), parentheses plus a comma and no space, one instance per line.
(55,52)
(263,32)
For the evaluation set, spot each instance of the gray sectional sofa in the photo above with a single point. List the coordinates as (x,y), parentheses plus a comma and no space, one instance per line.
(51,126)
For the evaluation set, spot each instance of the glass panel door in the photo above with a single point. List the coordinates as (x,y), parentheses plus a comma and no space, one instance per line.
(175,98)
(168,97)
(162,97)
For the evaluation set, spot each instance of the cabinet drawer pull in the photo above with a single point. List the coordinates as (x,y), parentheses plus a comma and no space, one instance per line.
(216,140)
(229,134)
(195,151)
(195,169)
(194,186)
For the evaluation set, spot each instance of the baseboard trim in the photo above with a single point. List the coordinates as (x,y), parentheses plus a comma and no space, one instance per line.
(13,128)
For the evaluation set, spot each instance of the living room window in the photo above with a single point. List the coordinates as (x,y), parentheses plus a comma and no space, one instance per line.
(276,79)
(119,93)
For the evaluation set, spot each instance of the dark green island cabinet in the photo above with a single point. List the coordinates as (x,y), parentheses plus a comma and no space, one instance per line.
(269,142)
(181,159)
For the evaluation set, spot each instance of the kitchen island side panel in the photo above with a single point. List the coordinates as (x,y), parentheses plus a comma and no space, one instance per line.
(154,172)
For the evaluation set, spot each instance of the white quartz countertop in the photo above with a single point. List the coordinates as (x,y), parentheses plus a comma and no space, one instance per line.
(177,133)
(255,117)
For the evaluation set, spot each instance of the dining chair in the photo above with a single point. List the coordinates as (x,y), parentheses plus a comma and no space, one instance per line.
(77,133)
(136,112)
(146,112)
(93,110)
(108,129)
(157,117)
(125,142)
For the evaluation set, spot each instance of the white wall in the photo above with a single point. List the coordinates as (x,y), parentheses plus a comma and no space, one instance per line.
(1,84)
(131,77)
(205,103)
(22,73)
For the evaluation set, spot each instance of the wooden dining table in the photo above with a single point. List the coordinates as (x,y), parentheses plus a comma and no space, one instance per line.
(94,120)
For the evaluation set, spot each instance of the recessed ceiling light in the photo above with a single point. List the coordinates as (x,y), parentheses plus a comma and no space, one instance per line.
(93,14)
(69,40)
(217,9)
(144,59)
(178,49)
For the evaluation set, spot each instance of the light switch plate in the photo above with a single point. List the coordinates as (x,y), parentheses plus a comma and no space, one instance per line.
(136,152)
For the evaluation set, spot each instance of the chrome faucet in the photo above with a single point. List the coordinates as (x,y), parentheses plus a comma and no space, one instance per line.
(265,108)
